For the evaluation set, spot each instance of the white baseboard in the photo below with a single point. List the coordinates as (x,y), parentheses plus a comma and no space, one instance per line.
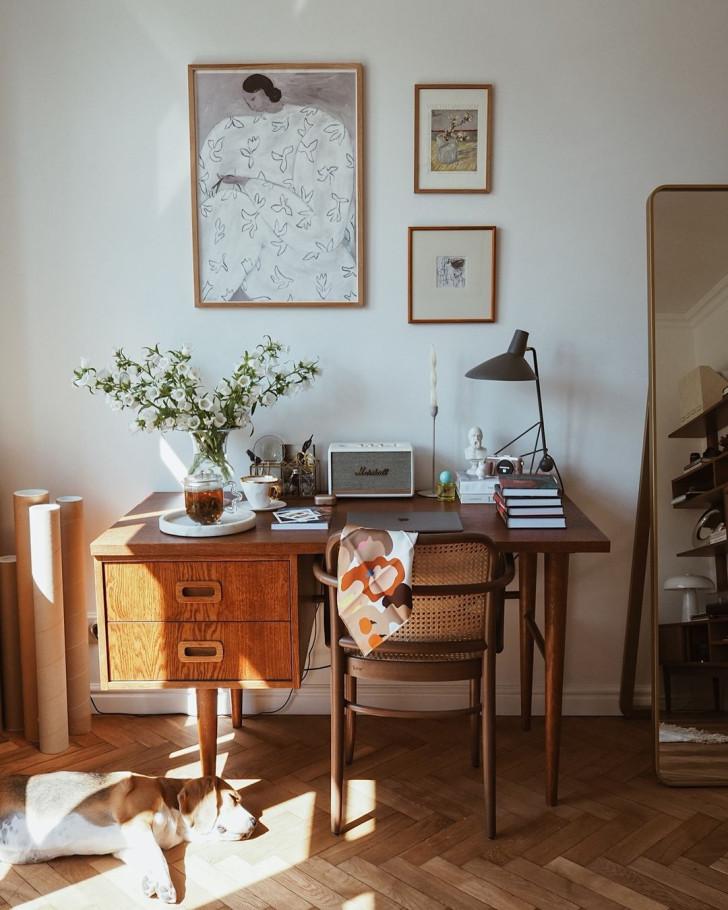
(313,698)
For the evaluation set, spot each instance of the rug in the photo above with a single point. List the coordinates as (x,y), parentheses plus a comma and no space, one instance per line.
(670,733)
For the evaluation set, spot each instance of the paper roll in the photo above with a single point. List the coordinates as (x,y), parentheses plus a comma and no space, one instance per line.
(78,684)
(10,645)
(50,645)
(23,500)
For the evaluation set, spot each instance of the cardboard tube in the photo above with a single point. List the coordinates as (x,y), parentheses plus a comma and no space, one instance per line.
(78,683)
(50,645)
(10,645)
(22,502)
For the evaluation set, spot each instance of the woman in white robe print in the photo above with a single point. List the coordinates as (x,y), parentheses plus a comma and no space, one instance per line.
(277,203)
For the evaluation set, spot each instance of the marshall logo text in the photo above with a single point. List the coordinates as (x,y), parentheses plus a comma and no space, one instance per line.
(371,472)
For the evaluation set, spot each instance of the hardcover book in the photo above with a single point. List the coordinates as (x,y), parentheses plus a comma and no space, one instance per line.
(528,485)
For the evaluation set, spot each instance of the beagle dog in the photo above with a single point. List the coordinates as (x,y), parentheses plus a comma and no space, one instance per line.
(135,817)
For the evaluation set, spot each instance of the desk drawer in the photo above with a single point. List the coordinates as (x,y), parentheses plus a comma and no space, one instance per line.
(198,591)
(199,652)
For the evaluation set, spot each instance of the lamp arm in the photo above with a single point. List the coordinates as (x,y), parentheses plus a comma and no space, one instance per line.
(538,397)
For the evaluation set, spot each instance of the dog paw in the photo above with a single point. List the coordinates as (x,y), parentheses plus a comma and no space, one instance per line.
(164,890)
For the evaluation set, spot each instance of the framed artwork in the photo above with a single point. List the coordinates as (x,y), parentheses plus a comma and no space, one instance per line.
(453,125)
(451,274)
(276,173)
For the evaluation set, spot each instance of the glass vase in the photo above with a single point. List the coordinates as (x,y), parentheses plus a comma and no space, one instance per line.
(209,451)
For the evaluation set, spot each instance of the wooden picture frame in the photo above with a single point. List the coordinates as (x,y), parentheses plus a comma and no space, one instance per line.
(453,138)
(452,274)
(277,184)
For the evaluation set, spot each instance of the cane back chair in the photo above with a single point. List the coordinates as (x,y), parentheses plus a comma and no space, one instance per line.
(458,587)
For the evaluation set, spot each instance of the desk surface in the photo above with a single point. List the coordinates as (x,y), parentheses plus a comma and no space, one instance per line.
(137,534)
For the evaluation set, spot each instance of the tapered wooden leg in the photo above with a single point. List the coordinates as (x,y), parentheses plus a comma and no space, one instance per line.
(236,707)
(476,719)
(349,720)
(207,729)
(337,739)
(556,584)
(488,731)
(527,565)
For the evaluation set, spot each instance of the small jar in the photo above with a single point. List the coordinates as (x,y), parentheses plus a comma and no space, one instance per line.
(446,487)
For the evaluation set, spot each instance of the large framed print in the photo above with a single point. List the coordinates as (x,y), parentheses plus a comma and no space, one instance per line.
(453,138)
(276,173)
(452,274)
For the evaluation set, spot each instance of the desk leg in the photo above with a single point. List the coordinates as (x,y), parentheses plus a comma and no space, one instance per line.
(527,564)
(556,583)
(207,729)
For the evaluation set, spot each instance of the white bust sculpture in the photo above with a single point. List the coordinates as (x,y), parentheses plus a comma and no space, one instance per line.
(475,452)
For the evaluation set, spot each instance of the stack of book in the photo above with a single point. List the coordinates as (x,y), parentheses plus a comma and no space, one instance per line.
(530,501)
(475,489)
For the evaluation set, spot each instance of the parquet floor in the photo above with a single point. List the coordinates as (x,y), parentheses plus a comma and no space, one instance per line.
(617,839)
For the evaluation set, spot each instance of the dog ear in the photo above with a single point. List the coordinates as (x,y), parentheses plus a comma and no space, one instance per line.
(198,802)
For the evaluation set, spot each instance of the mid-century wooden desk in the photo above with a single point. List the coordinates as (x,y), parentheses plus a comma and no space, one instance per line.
(236,611)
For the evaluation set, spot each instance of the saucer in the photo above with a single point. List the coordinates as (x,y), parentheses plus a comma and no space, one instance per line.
(271,507)
(181,525)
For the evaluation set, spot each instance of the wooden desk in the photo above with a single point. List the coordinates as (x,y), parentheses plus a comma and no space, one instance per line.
(153,624)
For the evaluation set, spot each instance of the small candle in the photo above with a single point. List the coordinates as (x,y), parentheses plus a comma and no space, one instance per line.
(433,377)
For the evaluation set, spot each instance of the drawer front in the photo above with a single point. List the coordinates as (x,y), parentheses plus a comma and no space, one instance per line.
(199,652)
(198,591)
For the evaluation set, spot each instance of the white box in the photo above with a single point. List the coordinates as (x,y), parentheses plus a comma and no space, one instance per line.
(699,390)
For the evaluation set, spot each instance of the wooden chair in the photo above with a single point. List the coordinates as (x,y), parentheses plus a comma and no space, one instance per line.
(458,584)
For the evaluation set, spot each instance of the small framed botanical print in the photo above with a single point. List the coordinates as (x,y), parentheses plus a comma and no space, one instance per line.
(452,274)
(453,125)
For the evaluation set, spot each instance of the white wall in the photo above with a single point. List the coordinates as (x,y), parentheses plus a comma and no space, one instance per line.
(595,104)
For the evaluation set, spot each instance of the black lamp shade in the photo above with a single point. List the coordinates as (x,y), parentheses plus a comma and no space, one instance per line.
(511,366)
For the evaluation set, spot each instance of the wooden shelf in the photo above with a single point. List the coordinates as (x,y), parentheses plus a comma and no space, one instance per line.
(706,424)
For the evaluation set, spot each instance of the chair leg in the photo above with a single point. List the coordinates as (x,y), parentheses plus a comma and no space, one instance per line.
(475,722)
(337,741)
(349,719)
(489,723)
(236,707)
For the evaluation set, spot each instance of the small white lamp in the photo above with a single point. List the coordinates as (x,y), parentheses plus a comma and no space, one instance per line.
(689,585)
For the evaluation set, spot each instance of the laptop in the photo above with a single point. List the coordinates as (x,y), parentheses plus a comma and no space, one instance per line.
(406,520)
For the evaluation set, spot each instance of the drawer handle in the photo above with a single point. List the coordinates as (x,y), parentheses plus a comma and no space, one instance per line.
(202,652)
(191,592)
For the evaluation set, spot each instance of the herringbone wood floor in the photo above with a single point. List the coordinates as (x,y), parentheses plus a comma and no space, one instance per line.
(617,838)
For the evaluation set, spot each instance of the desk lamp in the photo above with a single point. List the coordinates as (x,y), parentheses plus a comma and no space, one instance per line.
(689,585)
(513,366)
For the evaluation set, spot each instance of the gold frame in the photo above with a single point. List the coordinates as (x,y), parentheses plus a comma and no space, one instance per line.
(472,173)
(433,294)
(327,87)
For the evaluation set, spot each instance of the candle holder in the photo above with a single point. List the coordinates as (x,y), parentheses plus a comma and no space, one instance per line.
(432,492)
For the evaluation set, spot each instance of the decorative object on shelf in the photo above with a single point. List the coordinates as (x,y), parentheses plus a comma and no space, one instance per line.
(432,492)
(512,366)
(451,274)
(277,184)
(166,393)
(476,453)
(453,127)
(689,585)
(295,466)
(708,523)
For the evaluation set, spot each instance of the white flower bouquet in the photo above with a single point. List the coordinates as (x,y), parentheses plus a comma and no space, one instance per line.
(166,392)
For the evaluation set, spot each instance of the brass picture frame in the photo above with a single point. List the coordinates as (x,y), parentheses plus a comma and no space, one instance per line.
(452,274)
(453,138)
(277,184)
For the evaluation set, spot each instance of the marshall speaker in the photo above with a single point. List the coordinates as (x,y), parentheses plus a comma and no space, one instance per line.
(371,469)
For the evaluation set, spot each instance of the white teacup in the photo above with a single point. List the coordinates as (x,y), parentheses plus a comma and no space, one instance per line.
(260,491)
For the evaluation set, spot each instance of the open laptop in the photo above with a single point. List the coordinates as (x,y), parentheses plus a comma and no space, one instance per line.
(406,520)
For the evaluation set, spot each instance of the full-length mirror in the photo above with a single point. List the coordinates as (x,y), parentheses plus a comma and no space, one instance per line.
(688,272)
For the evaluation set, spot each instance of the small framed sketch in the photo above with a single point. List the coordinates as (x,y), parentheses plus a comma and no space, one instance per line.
(451,274)
(453,126)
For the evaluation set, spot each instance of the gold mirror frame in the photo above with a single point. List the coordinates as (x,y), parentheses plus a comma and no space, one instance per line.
(682,232)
